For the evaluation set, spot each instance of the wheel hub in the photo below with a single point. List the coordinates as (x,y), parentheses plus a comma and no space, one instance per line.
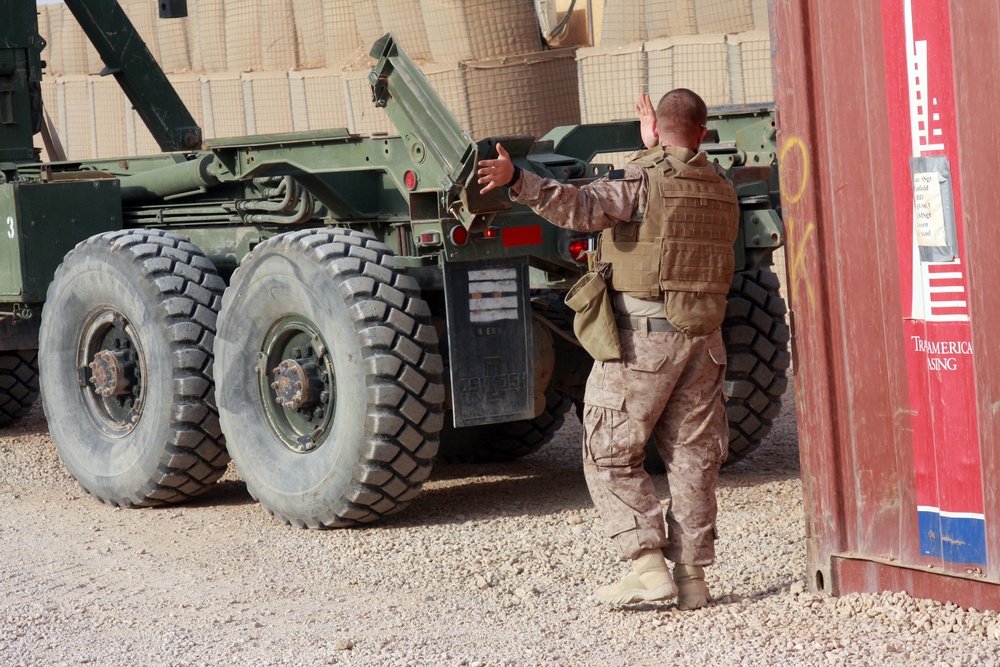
(296,385)
(112,372)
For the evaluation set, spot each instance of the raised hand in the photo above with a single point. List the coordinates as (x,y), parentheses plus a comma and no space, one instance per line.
(647,121)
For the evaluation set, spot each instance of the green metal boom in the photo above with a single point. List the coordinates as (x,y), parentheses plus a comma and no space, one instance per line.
(126,57)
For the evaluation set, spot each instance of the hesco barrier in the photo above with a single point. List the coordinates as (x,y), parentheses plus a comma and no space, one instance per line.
(245,67)
(888,167)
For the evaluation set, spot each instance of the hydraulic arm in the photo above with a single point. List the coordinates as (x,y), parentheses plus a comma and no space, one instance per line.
(126,57)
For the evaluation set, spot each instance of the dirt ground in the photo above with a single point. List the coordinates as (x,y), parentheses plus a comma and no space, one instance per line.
(490,565)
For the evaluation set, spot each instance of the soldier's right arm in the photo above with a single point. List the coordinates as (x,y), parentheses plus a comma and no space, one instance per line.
(603,203)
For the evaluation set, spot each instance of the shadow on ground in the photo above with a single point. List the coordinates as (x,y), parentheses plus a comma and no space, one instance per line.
(552,481)
(547,482)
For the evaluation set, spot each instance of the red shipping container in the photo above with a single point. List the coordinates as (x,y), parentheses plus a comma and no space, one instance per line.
(889,161)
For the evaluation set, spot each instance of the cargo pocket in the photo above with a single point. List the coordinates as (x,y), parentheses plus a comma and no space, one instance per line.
(606,437)
(618,524)
(646,354)
(717,350)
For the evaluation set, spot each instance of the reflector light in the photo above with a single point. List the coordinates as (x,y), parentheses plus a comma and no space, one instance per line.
(578,249)
(410,179)
(491,233)
(459,235)
(428,240)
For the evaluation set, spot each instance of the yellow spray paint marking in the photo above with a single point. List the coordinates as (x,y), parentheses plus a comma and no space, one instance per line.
(795,142)
(797,246)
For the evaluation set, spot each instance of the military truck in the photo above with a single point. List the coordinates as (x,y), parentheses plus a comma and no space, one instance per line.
(335,312)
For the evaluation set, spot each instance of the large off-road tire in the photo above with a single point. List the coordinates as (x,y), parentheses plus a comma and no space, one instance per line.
(756,336)
(329,379)
(18,384)
(507,441)
(125,350)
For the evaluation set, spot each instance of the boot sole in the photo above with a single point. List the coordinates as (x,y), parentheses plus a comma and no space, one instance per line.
(692,595)
(663,592)
(692,602)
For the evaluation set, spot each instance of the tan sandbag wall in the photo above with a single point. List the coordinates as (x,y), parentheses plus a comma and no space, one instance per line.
(248,67)
(719,48)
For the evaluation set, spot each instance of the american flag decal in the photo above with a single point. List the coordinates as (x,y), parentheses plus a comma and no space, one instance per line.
(945,292)
(493,295)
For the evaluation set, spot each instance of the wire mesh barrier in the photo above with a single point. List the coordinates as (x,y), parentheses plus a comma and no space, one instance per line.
(754,49)
(610,78)
(247,67)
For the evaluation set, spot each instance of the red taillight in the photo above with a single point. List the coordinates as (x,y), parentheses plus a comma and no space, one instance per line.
(459,235)
(410,180)
(428,240)
(491,233)
(578,249)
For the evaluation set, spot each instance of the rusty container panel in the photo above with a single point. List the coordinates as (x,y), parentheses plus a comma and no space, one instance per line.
(888,139)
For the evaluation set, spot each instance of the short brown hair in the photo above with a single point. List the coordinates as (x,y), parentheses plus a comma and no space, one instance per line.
(681,112)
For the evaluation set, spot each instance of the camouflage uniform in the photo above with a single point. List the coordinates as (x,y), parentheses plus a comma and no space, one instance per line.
(667,384)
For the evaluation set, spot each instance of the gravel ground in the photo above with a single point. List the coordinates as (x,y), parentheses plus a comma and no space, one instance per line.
(489,566)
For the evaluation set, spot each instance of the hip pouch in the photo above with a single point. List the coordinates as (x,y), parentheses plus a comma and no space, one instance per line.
(594,323)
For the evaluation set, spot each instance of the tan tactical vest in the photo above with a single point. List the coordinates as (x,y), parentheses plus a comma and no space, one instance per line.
(682,248)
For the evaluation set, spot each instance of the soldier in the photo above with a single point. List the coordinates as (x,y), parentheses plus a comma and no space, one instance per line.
(669,220)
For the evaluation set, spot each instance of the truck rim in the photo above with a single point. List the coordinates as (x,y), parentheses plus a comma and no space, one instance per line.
(298,383)
(114,365)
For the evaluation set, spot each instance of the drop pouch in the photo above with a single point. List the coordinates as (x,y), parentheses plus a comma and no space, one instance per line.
(594,323)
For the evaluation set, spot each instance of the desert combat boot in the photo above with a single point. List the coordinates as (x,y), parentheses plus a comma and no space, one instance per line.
(648,580)
(692,591)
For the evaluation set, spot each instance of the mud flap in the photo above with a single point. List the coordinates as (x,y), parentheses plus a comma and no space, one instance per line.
(489,341)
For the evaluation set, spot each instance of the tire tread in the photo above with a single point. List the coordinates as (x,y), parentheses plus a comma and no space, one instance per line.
(404,385)
(18,384)
(756,336)
(189,295)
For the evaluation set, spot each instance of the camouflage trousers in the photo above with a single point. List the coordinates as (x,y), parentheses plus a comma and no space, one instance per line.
(671,386)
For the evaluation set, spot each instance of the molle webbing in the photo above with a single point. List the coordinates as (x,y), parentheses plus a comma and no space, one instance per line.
(635,265)
(685,239)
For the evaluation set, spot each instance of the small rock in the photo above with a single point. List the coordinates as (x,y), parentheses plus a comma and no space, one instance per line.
(343,645)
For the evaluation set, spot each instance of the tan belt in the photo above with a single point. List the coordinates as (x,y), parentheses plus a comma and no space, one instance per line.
(645,323)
